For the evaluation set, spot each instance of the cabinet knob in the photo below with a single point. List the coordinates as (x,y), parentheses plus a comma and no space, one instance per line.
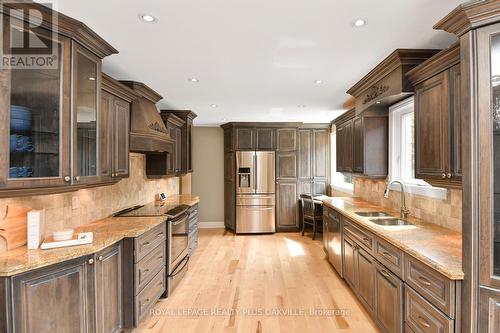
(77,178)
(100,258)
(67,179)
(91,261)
(443,176)
(449,175)
(113,175)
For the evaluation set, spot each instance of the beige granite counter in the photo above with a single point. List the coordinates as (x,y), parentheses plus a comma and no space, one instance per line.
(435,246)
(107,232)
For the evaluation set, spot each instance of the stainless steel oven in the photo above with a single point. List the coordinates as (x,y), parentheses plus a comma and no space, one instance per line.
(178,249)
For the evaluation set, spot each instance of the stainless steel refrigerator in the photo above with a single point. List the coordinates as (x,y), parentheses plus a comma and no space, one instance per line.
(255,192)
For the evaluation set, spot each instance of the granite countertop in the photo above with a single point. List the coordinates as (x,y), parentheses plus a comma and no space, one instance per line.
(435,246)
(107,232)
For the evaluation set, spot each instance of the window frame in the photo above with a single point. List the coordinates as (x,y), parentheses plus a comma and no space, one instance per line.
(413,185)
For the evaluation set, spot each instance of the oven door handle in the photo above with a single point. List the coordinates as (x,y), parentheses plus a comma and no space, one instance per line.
(186,260)
(180,220)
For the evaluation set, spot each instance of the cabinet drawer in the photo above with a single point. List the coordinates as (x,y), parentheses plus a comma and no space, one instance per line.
(147,242)
(331,214)
(149,295)
(390,256)
(147,268)
(422,316)
(435,287)
(363,238)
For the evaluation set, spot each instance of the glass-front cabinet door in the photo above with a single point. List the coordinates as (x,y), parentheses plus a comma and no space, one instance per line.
(488,50)
(86,95)
(34,107)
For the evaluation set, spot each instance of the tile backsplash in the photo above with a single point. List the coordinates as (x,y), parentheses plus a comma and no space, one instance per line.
(96,203)
(444,212)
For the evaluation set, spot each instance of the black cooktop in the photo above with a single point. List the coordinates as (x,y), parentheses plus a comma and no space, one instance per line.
(154,209)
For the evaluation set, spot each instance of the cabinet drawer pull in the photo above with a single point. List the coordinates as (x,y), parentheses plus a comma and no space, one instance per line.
(384,273)
(160,257)
(449,175)
(386,254)
(100,258)
(424,281)
(146,243)
(146,270)
(366,239)
(421,320)
(443,176)
(91,261)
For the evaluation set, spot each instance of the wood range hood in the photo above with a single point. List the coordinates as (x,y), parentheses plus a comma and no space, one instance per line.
(387,84)
(148,133)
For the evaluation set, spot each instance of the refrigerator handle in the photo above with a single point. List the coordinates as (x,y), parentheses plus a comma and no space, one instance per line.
(255,171)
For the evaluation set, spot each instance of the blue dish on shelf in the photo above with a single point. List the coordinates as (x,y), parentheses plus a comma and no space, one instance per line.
(20,172)
(21,118)
(21,143)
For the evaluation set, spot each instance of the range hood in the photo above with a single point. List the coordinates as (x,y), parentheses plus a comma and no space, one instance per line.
(148,133)
(387,83)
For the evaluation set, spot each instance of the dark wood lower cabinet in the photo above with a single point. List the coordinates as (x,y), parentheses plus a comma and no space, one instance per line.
(489,312)
(109,290)
(388,300)
(286,206)
(229,205)
(57,298)
(350,262)
(79,295)
(366,281)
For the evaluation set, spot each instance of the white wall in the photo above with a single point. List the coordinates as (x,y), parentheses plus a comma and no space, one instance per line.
(207,180)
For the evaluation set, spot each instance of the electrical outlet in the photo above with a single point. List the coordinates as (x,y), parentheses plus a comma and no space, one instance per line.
(74,202)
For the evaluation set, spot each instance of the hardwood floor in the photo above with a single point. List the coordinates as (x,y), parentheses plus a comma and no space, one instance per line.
(241,283)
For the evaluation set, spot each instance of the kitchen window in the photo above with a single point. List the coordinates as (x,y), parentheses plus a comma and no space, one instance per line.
(340,181)
(402,151)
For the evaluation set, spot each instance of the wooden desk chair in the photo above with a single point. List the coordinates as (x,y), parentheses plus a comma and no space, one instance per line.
(312,213)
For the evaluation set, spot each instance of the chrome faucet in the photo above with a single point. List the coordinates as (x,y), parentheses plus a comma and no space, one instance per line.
(404,210)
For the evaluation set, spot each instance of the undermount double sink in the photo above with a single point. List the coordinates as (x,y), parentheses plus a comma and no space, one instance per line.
(384,219)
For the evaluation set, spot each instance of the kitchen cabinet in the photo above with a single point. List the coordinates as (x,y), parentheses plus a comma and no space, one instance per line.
(286,165)
(362,143)
(438,136)
(313,156)
(83,295)
(193,229)
(359,272)
(186,135)
(114,129)
(489,310)
(67,289)
(229,191)
(50,115)
(286,206)
(245,138)
(389,300)
(109,289)
(174,126)
(144,277)
(265,138)
(286,139)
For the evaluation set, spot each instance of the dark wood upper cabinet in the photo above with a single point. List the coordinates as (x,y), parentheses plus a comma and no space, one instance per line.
(286,139)
(114,129)
(265,138)
(183,161)
(51,115)
(245,138)
(438,138)
(305,154)
(362,143)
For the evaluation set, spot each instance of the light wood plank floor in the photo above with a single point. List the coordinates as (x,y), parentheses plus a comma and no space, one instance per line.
(241,283)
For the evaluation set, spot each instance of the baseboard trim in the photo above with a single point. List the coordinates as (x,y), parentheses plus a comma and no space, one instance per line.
(211,225)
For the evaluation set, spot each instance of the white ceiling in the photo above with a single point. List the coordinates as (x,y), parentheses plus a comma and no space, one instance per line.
(258,60)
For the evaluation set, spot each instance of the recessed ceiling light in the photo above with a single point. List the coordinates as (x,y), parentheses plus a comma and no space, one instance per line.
(224,119)
(213,105)
(148,18)
(92,78)
(193,79)
(378,102)
(318,82)
(359,22)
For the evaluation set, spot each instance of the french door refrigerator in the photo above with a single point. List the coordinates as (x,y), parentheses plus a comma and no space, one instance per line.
(255,192)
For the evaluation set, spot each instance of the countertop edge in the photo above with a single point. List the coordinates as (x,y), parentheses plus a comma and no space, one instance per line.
(413,253)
